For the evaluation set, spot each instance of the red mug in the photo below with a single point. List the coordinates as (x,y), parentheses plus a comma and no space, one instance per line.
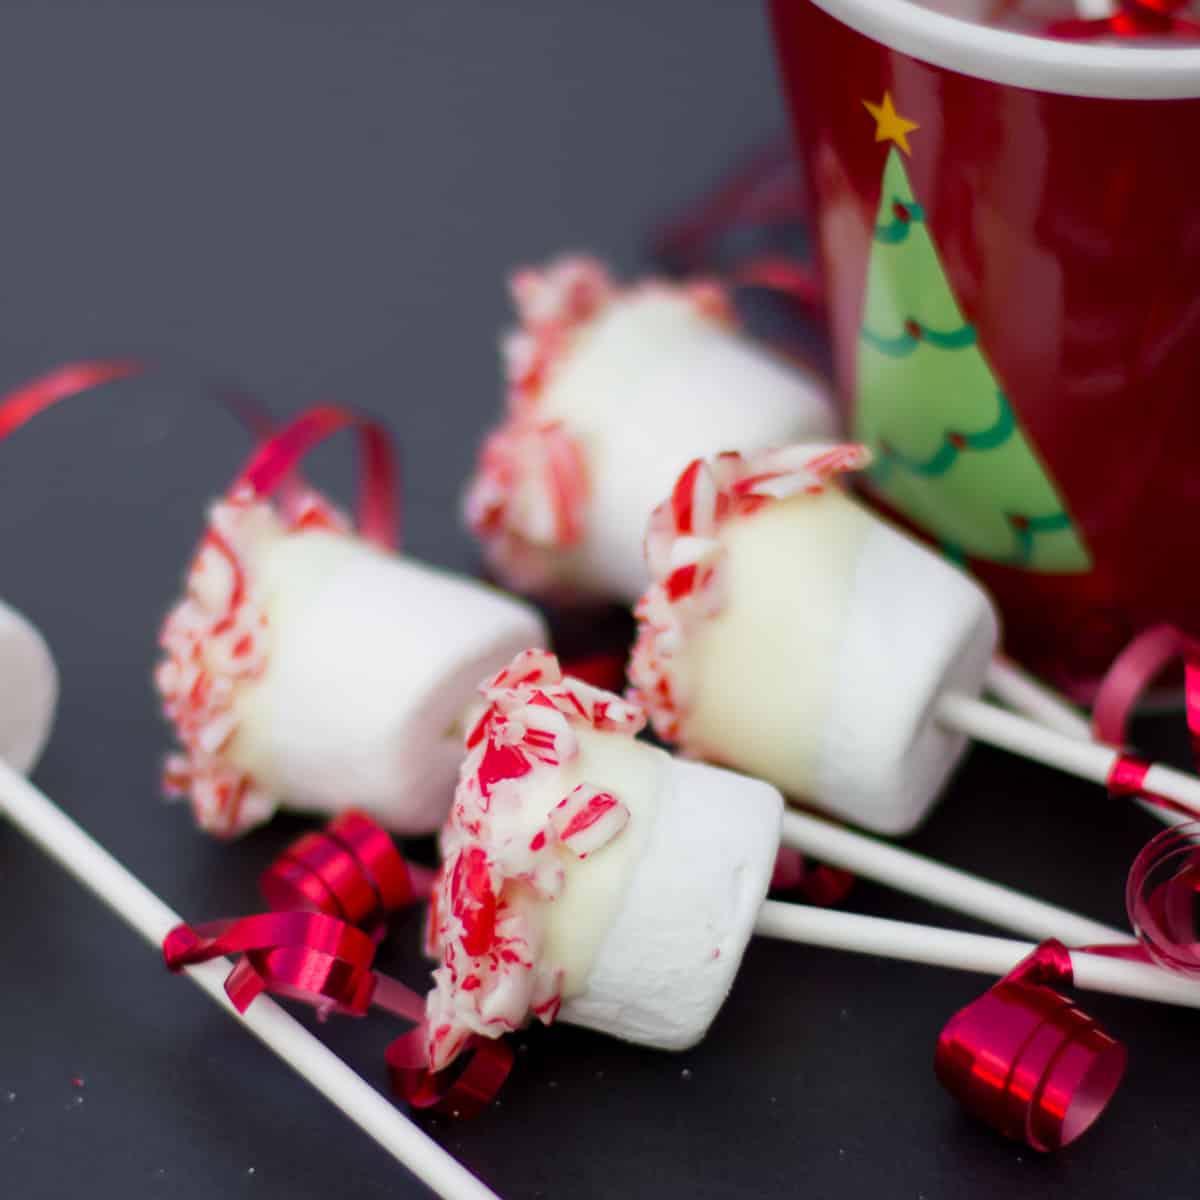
(1008,229)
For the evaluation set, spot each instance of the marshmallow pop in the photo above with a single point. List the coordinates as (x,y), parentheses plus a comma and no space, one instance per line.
(792,634)
(593,878)
(310,667)
(611,391)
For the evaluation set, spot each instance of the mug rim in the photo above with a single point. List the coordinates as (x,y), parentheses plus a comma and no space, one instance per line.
(1021,59)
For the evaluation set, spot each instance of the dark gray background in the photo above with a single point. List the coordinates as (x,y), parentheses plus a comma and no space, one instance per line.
(319,200)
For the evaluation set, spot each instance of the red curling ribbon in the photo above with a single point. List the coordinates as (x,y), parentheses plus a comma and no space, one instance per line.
(278,456)
(1128,776)
(464,1089)
(788,276)
(301,955)
(351,869)
(604,669)
(22,404)
(323,961)
(1026,1060)
(1125,683)
(1134,670)
(767,193)
(1161,894)
(1029,1062)
(765,190)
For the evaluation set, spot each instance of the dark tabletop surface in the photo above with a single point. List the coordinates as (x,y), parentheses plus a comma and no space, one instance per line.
(319,200)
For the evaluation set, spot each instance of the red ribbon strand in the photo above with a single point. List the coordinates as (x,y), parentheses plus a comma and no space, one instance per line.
(1161,897)
(1022,1057)
(1132,673)
(305,956)
(25,402)
(1026,1060)
(351,870)
(1125,683)
(278,456)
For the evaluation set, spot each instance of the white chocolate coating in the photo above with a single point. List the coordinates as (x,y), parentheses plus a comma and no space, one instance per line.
(793,635)
(788,572)
(649,385)
(822,669)
(578,919)
(372,661)
(29,691)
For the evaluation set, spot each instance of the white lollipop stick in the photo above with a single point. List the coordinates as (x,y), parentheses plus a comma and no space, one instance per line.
(48,826)
(964,951)
(1025,694)
(945,886)
(1089,760)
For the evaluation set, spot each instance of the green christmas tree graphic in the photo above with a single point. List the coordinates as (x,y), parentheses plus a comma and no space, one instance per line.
(949,451)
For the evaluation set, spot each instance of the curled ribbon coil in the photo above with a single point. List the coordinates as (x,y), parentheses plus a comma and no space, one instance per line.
(1134,670)
(1161,895)
(301,955)
(321,959)
(1029,1062)
(1026,1060)
(351,869)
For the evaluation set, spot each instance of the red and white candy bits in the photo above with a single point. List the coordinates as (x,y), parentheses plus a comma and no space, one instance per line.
(216,639)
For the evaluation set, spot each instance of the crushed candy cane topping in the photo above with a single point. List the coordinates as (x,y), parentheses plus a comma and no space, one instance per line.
(685,557)
(216,639)
(527,502)
(498,873)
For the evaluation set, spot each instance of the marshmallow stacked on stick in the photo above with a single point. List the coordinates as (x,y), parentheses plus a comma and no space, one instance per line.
(791,634)
(307,667)
(589,876)
(611,391)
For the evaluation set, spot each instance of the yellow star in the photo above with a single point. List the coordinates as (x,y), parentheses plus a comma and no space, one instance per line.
(890,126)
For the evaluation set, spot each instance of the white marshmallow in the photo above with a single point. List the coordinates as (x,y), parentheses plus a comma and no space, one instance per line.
(651,385)
(915,629)
(373,659)
(675,943)
(650,380)
(28,691)
(304,667)
(818,655)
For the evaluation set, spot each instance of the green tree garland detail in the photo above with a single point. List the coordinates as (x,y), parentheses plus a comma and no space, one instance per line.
(950,451)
